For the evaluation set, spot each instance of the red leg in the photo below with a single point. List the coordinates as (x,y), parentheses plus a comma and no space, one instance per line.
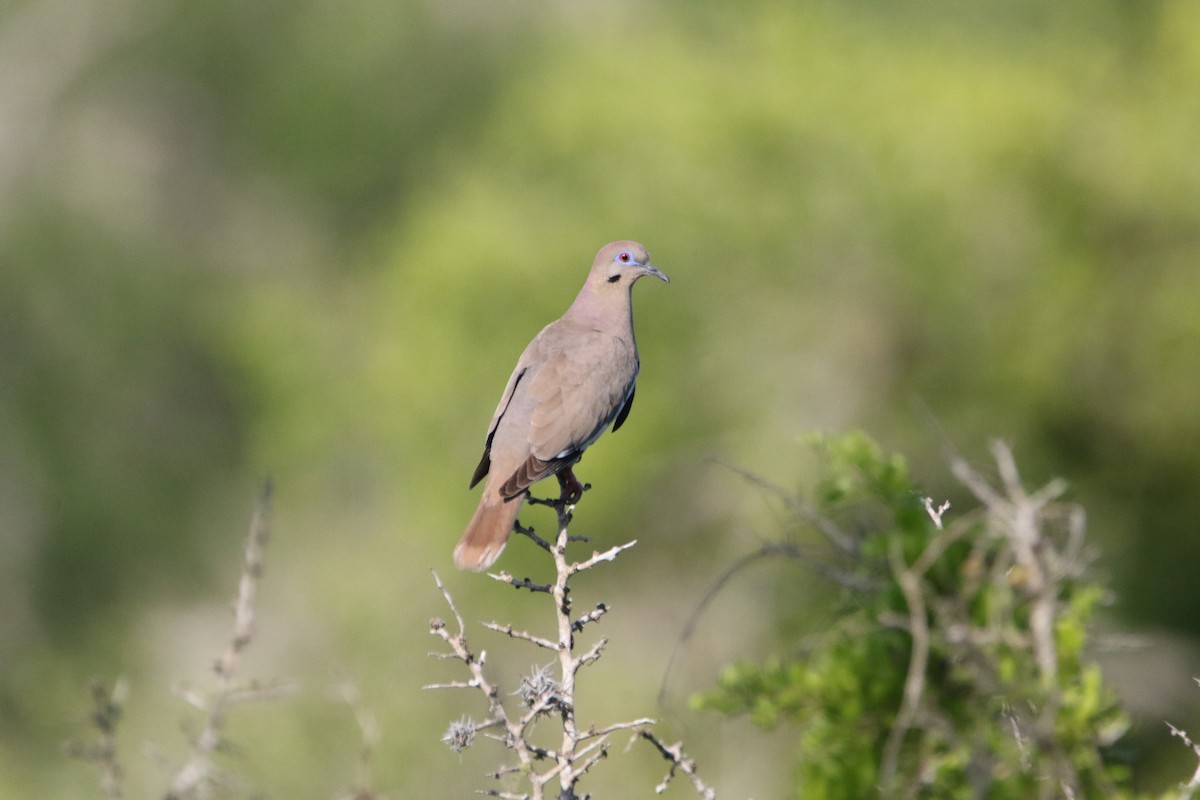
(572,491)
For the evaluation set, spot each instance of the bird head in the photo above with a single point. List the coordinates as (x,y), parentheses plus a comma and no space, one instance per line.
(622,263)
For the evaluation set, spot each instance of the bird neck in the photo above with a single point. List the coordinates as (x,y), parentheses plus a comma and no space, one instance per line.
(604,308)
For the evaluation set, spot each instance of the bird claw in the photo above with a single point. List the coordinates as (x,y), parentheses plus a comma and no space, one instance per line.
(572,489)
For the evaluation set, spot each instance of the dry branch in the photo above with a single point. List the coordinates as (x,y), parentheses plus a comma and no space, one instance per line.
(548,691)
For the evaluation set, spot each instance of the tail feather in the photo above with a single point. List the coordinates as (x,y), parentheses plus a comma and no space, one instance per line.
(487,532)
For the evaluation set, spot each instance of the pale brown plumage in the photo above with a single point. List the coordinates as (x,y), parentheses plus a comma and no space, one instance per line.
(574,379)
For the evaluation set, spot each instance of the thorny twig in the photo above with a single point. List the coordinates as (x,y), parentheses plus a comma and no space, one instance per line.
(844,544)
(679,761)
(937,513)
(1040,561)
(799,508)
(368,726)
(910,580)
(546,692)
(106,713)
(497,714)
(195,777)
(1188,789)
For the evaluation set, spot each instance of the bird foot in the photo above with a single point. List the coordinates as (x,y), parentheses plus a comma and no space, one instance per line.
(572,489)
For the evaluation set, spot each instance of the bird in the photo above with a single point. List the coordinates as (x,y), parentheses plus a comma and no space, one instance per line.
(572,381)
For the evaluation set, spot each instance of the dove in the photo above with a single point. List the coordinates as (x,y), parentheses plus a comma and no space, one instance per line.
(574,380)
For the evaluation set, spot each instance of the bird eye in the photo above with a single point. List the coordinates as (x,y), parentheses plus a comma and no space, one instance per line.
(625,257)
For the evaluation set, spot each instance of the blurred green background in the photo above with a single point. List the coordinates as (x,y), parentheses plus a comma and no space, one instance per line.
(309,240)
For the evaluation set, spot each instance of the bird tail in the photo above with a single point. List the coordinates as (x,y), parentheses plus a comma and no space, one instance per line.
(487,532)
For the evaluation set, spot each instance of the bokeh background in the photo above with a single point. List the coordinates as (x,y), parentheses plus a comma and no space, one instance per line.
(308,240)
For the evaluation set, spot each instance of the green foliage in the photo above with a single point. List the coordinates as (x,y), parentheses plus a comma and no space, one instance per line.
(937,680)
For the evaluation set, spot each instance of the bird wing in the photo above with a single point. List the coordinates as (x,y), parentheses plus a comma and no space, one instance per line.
(577,381)
(485,463)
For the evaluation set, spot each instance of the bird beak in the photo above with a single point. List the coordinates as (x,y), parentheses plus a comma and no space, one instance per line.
(656,272)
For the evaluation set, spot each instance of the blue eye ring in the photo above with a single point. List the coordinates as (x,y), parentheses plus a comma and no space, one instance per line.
(625,257)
